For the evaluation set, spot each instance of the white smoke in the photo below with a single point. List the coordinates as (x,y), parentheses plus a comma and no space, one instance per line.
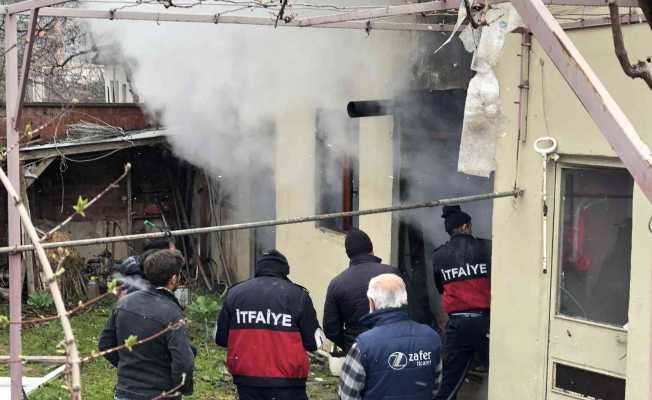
(220,88)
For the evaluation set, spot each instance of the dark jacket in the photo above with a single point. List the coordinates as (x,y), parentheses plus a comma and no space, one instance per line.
(400,357)
(132,271)
(462,269)
(155,366)
(267,324)
(346,299)
(133,278)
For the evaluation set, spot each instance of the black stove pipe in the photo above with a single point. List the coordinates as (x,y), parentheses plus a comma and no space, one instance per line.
(370,108)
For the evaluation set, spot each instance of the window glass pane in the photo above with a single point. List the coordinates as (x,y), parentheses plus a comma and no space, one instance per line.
(596,232)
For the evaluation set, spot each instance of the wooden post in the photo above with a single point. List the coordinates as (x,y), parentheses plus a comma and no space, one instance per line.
(28,260)
(13,221)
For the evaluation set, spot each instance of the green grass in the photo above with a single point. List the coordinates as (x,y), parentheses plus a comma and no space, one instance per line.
(98,377)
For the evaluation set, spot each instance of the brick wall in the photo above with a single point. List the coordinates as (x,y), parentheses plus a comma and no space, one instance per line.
(127,116)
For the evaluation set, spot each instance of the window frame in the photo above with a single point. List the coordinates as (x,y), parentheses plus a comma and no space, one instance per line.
(565,163)
(350,177)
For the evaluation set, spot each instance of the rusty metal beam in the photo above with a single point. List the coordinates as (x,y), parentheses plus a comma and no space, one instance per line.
(429,7)
(27,61)
(596,22)
(13,218)
(28,5)
(166,16)
(595,98)
(381,12)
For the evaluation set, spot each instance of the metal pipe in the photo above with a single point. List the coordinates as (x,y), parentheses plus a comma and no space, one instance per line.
(13,218)
(524,85)
(380,12)
(369,108)
(260,224)
(216,18)
(130,208)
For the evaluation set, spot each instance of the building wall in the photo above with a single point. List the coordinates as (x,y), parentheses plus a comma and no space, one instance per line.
(520,291)
(317,255)
(117,88)
(53,118)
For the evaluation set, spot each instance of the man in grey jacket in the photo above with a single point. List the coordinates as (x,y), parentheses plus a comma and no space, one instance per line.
(166,363)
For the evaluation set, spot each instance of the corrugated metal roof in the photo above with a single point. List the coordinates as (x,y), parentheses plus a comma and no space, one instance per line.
(129,139)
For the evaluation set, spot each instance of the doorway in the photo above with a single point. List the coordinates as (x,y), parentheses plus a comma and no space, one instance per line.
(428,127)
(590,284)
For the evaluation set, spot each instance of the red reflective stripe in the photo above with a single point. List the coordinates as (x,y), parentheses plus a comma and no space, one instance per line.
(465,295)
(266,353)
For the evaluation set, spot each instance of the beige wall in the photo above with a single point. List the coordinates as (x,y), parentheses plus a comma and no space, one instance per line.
(317,255)
(520,291)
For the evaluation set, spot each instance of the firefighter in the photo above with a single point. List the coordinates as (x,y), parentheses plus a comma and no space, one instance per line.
(267,324)
(462,269)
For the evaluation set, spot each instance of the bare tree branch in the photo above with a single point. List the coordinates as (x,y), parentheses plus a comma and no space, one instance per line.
(70,58)
(81,307)
(174,392)
(638,70)
(173,326)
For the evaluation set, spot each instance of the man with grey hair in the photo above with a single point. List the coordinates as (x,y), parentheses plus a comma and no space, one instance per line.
(397,357)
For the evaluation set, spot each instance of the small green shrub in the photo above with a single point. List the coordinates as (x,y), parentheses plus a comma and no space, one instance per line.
(40,301)
(204,309)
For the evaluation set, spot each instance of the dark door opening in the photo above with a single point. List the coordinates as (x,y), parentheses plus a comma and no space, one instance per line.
(428,128)
(263,196)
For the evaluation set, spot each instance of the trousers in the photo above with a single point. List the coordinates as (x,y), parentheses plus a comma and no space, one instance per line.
(267,393)
(464,339)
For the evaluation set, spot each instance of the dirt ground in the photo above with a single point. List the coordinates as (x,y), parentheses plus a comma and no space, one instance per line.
(474,388)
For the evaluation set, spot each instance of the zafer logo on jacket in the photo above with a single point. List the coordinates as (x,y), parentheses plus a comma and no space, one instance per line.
(397,360)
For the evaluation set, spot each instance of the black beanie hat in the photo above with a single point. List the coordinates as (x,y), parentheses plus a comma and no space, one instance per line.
(454,217)
(272,263)
(357,242)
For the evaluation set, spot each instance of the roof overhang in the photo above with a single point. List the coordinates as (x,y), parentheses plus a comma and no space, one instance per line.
(129,140)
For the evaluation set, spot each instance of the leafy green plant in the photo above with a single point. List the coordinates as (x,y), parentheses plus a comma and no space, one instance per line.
(40,301)
(130,342)
(204,309)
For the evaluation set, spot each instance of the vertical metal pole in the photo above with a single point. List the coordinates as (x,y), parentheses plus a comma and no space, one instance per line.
(13,222)
(524,85)
(130,213)
(27,60)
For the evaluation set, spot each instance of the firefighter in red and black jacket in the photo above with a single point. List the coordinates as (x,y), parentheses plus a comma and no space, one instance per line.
(462,275)
(267,324)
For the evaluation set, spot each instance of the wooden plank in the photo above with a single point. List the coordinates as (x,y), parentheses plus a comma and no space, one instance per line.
(608,116)
(37,359)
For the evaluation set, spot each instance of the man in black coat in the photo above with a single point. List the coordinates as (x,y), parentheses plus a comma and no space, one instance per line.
(346,298)
(165,363)
(267,324)
(131,268)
